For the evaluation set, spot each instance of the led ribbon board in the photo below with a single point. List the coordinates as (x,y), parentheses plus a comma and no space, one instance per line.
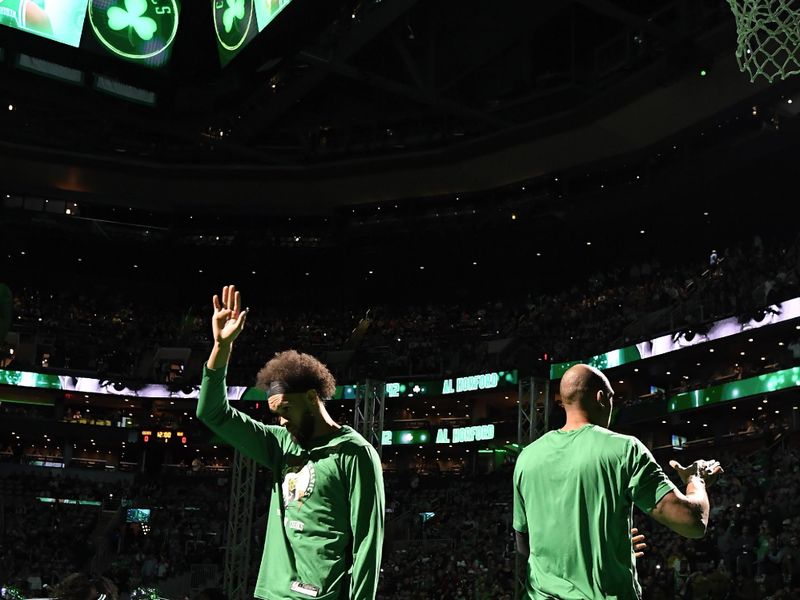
(141,31)
(458,385)
(486,381)
(454,435)
(735,390)
(405,437)
(237,22)
(48,500)
(100,386)
(777,313)
(58,20)
(458,435)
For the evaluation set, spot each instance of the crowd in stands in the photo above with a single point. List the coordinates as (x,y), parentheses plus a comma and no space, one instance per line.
(187,527)
(448,535)
(751,548)
(41,541)
(111,332)
(44,541)
(451,537)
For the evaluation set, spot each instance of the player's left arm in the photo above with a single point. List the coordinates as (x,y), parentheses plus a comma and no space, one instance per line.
(367,503)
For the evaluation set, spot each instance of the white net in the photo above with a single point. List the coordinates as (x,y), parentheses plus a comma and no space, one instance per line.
(768,37)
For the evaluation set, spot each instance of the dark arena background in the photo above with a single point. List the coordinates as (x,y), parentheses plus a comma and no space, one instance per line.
(449,204)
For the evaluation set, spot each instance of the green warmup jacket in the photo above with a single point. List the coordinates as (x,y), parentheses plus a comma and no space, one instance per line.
(326,510)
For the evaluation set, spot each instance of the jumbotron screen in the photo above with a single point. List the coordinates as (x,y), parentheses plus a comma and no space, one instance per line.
(139,31)
(59,20)
(138,515)
(238,22)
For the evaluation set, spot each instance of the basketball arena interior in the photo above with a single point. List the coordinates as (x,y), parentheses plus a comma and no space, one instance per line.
(450,205)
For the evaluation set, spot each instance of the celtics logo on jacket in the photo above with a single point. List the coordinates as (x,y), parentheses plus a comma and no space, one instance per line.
(298,482)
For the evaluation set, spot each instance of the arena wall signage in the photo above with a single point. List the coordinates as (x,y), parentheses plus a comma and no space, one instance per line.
(489,381)
(445,435)
(459,385)
(410,389)
(46,463)
(736,390)
(458,435)
(776,313)
(405,437)
(103,386)
(48,500)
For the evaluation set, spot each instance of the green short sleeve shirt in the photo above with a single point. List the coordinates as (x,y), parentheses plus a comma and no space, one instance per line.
(574,493)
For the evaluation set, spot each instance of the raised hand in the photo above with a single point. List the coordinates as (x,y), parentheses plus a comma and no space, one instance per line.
(228,319)
(708,470)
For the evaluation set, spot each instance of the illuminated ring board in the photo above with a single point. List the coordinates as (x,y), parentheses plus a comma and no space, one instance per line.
(679,340)
(134,19)
(219,9)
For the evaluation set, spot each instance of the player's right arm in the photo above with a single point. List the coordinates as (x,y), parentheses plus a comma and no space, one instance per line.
(253,439)
(687,514)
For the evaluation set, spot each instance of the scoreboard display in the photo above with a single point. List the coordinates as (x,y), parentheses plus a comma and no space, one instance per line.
(238,22)
(140,31)
(58,20)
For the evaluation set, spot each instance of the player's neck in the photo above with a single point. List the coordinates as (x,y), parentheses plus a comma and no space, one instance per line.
(324,424)
(576,420)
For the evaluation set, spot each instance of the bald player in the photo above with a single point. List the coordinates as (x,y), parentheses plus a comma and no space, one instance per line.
(574,491)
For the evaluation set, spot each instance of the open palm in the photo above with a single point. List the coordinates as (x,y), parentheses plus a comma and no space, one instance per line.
(228,319)
(708,470)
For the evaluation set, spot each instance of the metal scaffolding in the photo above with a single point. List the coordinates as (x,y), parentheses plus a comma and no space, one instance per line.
(240,528)
(368,420)
(533,420)
(533,409)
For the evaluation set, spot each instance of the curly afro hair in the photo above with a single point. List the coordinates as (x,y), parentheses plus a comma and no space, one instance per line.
(300,372)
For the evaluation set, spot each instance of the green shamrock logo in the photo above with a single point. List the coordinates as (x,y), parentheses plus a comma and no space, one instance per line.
(132,16)
(235,10)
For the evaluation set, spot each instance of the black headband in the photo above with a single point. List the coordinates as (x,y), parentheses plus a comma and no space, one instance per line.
(278,387)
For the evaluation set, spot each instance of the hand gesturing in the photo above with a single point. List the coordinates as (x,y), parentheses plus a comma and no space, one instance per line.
(228,319)
(708,470)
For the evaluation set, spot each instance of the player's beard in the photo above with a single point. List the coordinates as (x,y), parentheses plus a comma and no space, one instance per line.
(305,428)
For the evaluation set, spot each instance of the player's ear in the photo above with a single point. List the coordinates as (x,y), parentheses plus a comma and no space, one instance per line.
(601,398)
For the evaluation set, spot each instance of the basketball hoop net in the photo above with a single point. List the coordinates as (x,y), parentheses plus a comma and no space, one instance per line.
(768,37)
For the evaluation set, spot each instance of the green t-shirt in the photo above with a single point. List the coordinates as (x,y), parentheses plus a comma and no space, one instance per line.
(326,511)
(574,493)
